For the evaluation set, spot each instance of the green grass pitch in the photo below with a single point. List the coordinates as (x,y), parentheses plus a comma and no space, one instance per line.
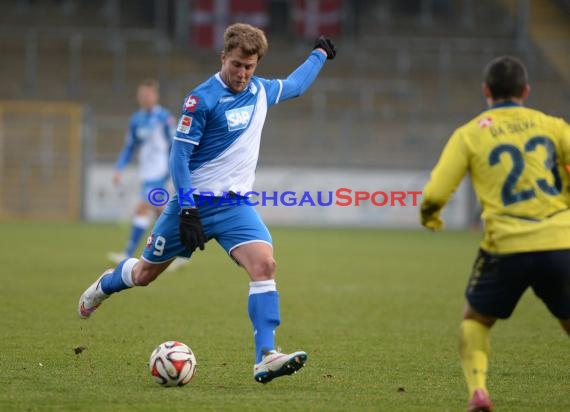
(378,312)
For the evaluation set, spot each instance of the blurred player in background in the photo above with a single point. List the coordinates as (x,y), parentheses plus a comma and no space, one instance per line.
(517,160)
(215,150)
(151,129)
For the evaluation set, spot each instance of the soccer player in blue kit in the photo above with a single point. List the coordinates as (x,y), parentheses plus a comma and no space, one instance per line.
(151,129)
(215,150)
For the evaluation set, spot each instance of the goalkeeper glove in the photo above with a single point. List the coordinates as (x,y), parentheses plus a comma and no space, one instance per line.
(327,45)
(191,230)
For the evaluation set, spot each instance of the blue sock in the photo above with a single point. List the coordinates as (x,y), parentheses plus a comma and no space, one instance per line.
(138,229)
(120,278)
(263,307)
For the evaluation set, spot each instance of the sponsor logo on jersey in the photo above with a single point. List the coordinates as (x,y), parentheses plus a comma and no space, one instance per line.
(485,122)
(184,124)
(239,118)
(227,99)
(191,103)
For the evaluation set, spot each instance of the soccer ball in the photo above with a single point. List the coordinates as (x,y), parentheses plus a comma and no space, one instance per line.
(172,363)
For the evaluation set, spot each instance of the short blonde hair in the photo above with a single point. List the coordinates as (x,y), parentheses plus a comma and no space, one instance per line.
(246,37)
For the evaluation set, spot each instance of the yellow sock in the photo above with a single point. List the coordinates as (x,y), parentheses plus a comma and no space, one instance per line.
(474,353)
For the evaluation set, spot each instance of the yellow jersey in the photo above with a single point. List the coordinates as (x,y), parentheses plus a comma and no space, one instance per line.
(517,160)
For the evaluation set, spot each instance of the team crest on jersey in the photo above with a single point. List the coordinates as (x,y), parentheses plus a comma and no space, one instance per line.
(184,124)
(191,103)
(239,118)
(485,122)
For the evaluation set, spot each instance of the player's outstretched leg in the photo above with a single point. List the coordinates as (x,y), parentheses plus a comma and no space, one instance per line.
(263,307)
(275,364)
(111,281)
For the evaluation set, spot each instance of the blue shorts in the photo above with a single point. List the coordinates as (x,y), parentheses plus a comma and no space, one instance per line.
(148,185)
(499,280)
(232,224)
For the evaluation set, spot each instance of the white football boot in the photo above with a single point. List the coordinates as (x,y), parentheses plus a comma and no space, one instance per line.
(92,298)
(275,364)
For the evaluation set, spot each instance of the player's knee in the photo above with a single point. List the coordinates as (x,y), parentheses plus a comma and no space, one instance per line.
(264,269)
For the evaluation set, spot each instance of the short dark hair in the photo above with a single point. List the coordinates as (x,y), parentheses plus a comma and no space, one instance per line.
(506,77)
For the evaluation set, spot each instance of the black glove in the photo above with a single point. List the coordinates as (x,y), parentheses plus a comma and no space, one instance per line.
(191,230)
(327,45)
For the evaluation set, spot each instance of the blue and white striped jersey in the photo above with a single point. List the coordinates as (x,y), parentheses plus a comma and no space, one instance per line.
(225,129)
(152,132)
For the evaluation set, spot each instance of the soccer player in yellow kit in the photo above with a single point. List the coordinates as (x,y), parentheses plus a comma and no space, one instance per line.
(517,160)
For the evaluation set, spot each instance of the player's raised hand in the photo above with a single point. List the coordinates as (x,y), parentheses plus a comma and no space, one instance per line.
(326,45)
(191,230)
